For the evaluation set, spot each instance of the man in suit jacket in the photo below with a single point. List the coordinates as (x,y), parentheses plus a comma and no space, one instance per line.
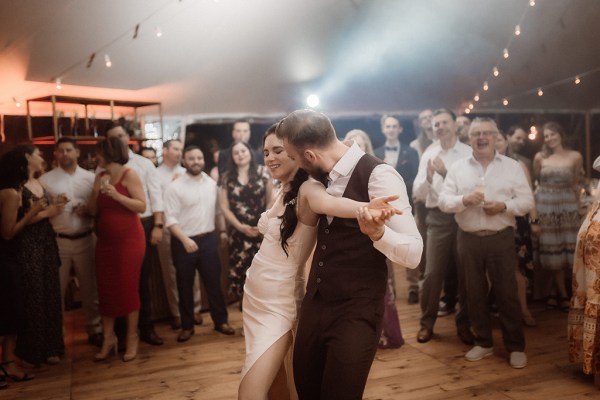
(405,160)
(340,319)
(402,157)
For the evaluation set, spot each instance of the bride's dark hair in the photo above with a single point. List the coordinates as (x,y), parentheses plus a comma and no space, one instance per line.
(289,219)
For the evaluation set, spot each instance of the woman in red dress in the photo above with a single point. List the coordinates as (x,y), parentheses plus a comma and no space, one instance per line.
(116,200)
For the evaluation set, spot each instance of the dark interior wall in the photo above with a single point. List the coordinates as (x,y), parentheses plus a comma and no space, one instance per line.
(218,135)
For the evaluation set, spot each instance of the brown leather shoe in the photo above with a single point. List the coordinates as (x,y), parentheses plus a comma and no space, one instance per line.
(176,323)
(150,337)
(198,319)
(424,335)
(185,335)
(225,329)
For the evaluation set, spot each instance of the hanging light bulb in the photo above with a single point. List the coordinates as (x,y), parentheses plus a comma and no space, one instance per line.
(495,71)
(485,86)
(532,3)
(517,30)
(471,106)
(540,92)
(158,32)
(476,98)
(58,83)
(107,61)
(505,53)
(577,80)
(505,102)
(17,102)
(532,133)
(467,111)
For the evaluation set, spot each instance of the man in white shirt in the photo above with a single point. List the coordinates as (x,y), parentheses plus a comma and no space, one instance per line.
(74,234)
(191,211)
(486,191)
(340,318)
(167,172)
(152,221)
(440,248)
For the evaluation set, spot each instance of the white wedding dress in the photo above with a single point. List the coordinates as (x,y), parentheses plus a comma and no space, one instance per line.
(274,287)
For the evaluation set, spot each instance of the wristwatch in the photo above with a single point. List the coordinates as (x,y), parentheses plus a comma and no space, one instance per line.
(159,226)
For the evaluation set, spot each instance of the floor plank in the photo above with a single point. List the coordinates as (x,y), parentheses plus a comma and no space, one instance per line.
(208,366)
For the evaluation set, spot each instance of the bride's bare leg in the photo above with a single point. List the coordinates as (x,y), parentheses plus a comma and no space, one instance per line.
(261,376)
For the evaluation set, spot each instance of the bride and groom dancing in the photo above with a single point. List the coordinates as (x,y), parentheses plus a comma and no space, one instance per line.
(339,317)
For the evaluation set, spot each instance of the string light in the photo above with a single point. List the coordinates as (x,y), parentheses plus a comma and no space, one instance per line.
(540,92)
(577,80)
(505,53)
(532,133)
(485,86)
(505,102)
(471,106)
(467,111)
(158,32)
(476,98)
(58,83)
(532,3)
(107,61)
(495,71)
(517,30)
(17,102)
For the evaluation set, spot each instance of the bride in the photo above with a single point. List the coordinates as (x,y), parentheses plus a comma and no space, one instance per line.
(275,281)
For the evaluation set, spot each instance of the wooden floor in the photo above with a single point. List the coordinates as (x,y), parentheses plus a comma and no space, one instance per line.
(208,366)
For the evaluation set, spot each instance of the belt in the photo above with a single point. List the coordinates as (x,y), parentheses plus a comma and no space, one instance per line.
(74,236)
(200,236)
(486,232)
(146,219)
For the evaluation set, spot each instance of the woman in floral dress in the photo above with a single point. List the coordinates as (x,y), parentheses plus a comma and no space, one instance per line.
(244,194)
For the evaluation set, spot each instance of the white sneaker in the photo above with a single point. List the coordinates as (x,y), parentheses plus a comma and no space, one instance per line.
(477,353)
(518,359)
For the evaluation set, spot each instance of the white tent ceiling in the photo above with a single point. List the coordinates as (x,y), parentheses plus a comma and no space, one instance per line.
(263,57)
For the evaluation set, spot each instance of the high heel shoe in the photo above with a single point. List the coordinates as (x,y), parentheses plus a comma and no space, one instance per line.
(109,344)
(16,378)
(132,347)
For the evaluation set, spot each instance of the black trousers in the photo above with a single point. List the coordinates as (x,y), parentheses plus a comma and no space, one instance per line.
(145,320)
(335,346)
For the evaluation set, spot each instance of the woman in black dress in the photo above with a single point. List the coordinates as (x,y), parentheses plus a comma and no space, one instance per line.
(14,169)
(38,262)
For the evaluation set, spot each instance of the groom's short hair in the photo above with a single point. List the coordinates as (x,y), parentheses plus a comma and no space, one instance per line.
(306,128)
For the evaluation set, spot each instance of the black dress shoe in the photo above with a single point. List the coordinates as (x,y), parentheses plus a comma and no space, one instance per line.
(176,323)
(151,337)
(185,335)
(466,336)
(225,329)
(96,339)
(413,298)
(424,335)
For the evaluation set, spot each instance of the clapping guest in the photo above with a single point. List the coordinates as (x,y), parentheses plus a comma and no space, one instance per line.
(14,167)
(244,194)
(38,260)
(117,198)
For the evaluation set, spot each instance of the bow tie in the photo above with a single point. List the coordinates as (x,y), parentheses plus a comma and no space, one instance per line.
(391,148)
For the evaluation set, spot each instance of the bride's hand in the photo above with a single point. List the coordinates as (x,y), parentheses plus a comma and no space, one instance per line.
(380,208)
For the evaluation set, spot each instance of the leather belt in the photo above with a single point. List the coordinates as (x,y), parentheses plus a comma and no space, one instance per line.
(74,236)
(487,232)
(200,236)
(146,219)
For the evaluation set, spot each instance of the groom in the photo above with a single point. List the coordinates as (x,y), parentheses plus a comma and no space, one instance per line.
(340,318)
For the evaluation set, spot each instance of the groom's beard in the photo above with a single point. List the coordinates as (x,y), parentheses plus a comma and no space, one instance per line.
(319,174)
